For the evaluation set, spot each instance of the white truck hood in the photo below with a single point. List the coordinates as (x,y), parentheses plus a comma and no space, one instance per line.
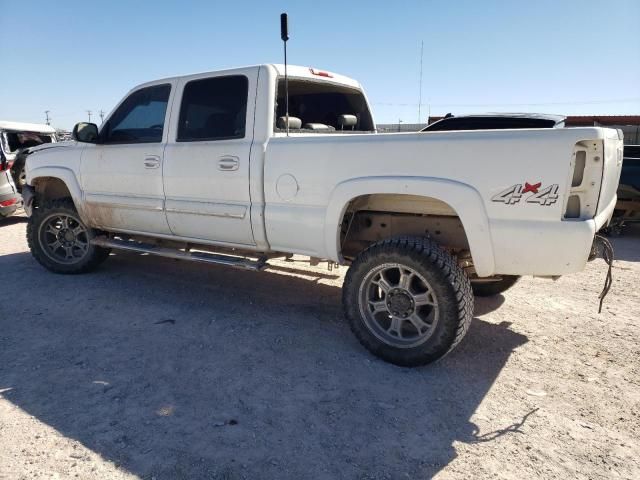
(47,146)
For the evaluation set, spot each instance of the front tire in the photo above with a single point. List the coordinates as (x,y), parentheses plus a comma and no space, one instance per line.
(407,301)
(60,241)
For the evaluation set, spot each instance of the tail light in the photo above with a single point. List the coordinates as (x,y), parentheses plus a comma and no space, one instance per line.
(4,165)
(584,181)
(8,203)
(320,73)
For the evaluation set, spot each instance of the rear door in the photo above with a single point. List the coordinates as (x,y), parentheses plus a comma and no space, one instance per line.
(206,164)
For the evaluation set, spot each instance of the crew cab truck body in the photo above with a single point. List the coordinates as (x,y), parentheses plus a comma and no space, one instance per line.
(209,167)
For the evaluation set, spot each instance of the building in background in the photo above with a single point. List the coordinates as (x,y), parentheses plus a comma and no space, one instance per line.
(629,124)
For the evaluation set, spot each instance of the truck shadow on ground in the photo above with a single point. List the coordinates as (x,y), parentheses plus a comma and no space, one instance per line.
(626,247)
(4,222)
(176,370)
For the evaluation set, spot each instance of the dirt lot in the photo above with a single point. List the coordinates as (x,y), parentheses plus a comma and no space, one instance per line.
(151,368)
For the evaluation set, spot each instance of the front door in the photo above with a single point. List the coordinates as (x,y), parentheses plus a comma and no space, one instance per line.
(122,175)
(206,164)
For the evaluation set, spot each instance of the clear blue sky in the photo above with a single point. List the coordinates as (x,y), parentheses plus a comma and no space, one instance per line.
(556,56)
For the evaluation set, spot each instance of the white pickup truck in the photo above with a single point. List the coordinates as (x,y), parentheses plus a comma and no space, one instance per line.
(210,167)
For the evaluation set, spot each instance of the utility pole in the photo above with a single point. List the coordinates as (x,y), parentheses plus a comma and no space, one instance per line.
(46,112)
(89,113)
(101,113)
(420,97)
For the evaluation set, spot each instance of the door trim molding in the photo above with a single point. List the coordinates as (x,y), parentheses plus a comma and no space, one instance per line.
(125,201)
(210,209)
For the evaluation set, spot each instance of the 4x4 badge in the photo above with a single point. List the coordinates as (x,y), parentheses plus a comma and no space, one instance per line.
(513,194)
(531,188)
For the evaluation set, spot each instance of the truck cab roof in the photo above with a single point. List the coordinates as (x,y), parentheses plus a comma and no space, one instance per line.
(293,71)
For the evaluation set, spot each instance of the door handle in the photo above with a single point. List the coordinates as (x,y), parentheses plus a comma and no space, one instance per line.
(152,161)
(228,164)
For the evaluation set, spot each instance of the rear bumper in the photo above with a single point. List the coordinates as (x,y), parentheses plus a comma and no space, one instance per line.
(9,203)
(544,248)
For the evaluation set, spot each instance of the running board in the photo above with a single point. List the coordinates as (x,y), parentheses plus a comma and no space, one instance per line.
(203,257)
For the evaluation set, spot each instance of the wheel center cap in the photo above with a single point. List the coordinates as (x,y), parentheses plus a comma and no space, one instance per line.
(69,236)
(399,302)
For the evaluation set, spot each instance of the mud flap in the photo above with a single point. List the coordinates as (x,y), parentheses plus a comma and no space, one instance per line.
(28,195)
(602,245)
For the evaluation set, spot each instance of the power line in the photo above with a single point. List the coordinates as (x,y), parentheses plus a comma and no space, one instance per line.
(585,102)
(101,113)
(89,113)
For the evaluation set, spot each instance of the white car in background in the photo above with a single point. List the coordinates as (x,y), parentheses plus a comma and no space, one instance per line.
(16,137)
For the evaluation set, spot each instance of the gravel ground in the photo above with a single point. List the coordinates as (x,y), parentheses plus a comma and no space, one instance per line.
(157,369)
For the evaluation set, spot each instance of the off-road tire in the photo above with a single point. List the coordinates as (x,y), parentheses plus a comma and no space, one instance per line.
(450,286)
(18,169)
(490,289)
(19,176)
(94,255)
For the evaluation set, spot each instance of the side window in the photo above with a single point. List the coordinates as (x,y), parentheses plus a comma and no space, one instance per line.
(140,118)
(213,109)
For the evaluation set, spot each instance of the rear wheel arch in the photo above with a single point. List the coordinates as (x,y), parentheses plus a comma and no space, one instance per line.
(438,196)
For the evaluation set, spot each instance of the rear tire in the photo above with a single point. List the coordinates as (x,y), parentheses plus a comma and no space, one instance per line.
(489,289)
(407,301)
(60,241)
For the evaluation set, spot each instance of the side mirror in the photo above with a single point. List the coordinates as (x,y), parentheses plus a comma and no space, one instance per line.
(85,132)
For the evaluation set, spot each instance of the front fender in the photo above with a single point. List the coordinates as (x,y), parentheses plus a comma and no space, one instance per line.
(64,174)
(464,199)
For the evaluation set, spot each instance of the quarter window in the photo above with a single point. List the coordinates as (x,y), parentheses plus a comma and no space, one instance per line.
(214,109)
(140,118)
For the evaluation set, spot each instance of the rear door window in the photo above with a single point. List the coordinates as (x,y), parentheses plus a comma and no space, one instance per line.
(213,109)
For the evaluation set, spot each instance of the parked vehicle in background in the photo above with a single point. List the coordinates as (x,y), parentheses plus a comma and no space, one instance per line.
(212,168)
(10,200)
(495,121)
(628,206)
(15,138)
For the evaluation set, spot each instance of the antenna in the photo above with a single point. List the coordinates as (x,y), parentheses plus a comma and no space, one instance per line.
(284,35)
(420,98)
